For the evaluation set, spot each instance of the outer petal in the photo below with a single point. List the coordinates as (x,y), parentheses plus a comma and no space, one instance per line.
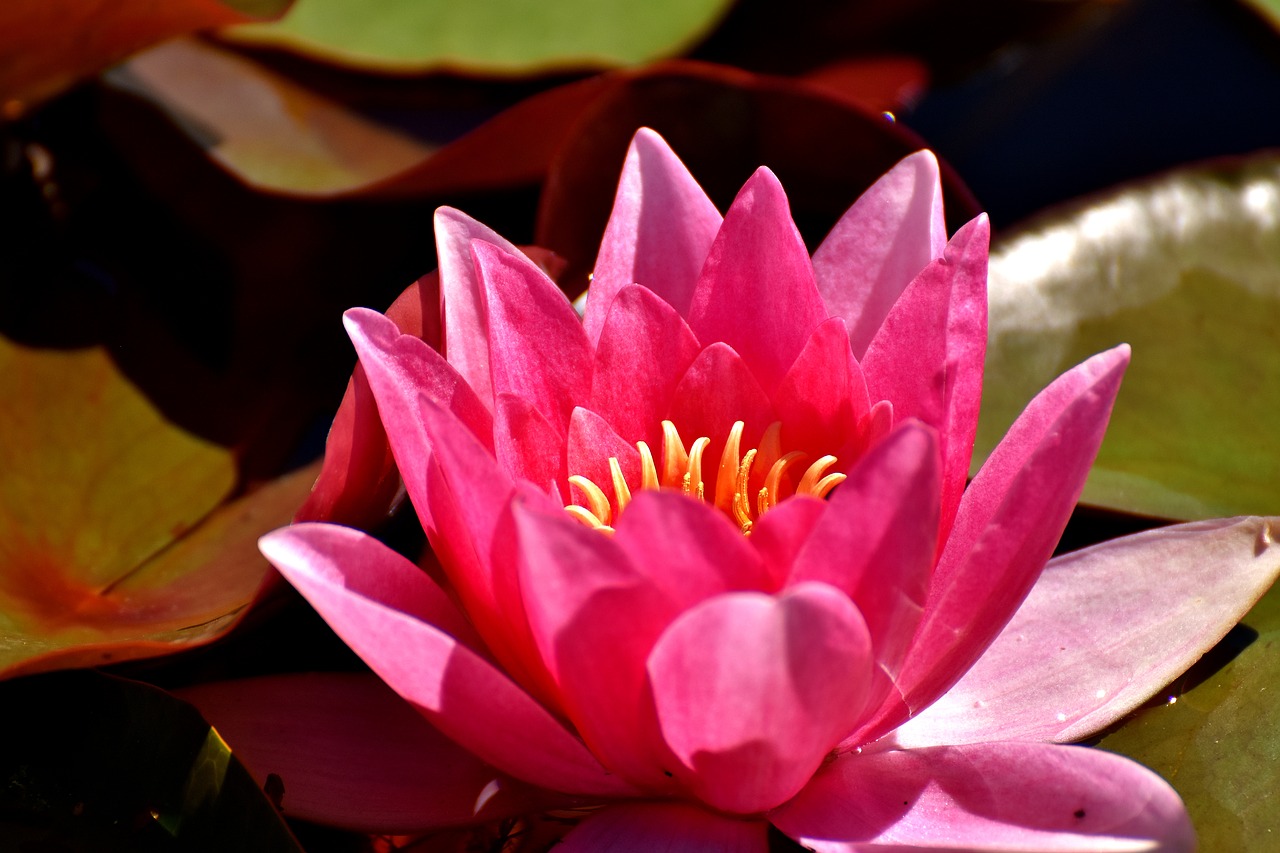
(1103,630)
(823,398)
(927,356)
(352,753)
(537,349)
(990,796)
(527,446)
(359,483)
(877,540)
(757,292)
(658,235)
(890,234)
(338,570)
(1008,525)
(667,827)
(752,692)
(462,297)
(643,350)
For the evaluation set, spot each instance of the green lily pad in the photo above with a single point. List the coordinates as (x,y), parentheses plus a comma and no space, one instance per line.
(506,37)
(1218,742)
(104,765)
(1186,269)
(115,541)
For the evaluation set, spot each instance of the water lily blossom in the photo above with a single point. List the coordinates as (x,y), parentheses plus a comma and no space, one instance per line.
(707,558)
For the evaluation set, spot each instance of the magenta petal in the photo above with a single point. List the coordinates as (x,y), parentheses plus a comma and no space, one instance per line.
(753,691)
(757,292)
(671,827)
(927,357)
(823,398)
(537,349)
(890,234)
(989,796)
(1096,636)
(458,691)
(877,542)
(527,446)
(643,350)
(462,297)
(715,391)
(781,533)
(658,235)
(1008,525)
(351,753)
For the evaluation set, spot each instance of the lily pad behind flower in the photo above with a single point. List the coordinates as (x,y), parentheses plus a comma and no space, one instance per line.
(1186,269)
(492,37)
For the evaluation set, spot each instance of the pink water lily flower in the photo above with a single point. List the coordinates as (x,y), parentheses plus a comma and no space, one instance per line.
(707,558)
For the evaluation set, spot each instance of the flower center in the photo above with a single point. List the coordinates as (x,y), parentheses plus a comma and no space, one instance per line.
(765,469)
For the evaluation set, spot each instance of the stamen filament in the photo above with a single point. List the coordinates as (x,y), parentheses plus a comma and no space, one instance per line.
(675,463)
(648,472)
(815,472)
(694,477)
(773,479)
(726,479)
(621,493)
(597,503)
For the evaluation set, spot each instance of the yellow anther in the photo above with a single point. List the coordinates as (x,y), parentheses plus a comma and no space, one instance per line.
(597,503)
(741,502)
(621,493)
(773,479)
(695,465)
(674,460)
(809,481)
(726,478)
(648,472)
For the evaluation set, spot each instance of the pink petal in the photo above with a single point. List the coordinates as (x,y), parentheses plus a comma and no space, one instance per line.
(527,446)
(351,753)
(877,541)
(358,483)
(537,349)
(990,796)
(591,442)
(670,827)
(1008,525)
(658,235)
(781,533)
(927,356)
(756,292)
(823,397)
(715,391)
(400,370)
(643,350)
(753,692)
(889,235)
(1103,630)
(458,691)
(462,297)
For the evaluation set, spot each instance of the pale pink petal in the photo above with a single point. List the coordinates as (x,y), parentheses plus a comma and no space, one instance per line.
(591,443)
(927,357)
(890,234)
(458,691)
(527,446)
(1008,526)
(752,691)
(877,541)
(990,796)
(465,336)
(643,350)
(658,235)
(537,349)
(715,391)
(1103,630)
(670,827)
(349,752)
(358,483)
(823,397)
(756,292)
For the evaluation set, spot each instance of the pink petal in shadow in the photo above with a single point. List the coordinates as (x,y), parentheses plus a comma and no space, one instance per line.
(823,398)
(528,447)
(670,827)
(890,234)
(658,234)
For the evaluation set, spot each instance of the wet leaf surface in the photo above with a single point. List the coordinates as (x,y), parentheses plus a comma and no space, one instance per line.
(1186,269)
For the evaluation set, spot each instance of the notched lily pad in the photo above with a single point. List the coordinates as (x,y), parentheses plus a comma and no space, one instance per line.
(495,37)
(105,765)
(1218,741)
(114,540)
(1186,269)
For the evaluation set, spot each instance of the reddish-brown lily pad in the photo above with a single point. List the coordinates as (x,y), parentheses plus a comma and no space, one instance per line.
(114,540)
(47,45)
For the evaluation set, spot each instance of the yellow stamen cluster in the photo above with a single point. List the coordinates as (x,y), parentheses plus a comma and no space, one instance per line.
(682,469)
